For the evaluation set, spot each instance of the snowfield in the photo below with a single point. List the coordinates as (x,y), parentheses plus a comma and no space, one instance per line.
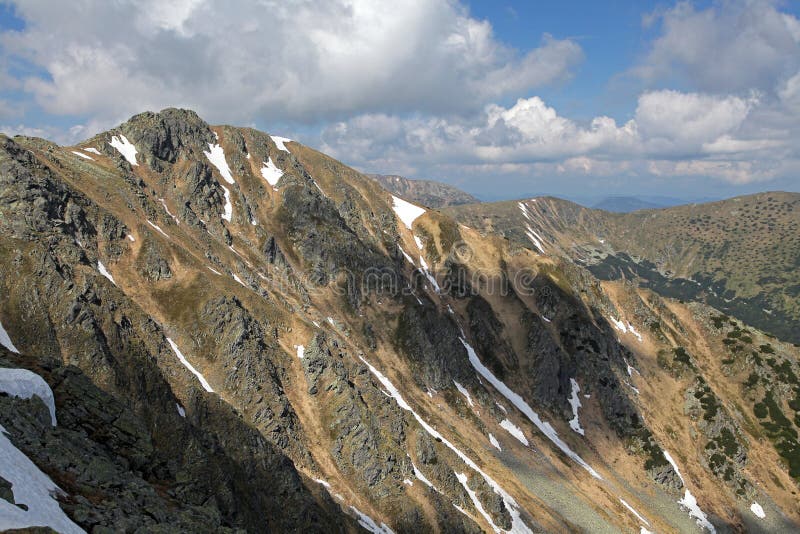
(189,366)
(406,211)
(25,384)
(32,488)
(125,148)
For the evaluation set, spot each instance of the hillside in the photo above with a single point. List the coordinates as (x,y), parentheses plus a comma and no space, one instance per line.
(424,192)
(625,204)
(739,255)
(234,332)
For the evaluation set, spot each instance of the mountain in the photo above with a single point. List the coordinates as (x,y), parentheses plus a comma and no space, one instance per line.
(625,204)
(210,328)
(738,255)
(424,192)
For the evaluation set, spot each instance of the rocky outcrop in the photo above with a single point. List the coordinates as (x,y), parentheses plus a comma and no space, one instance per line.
(119,475)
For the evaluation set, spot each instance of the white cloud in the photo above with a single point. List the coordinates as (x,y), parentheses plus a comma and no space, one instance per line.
(302,60)
(710,133)
(687,120)
(734,45)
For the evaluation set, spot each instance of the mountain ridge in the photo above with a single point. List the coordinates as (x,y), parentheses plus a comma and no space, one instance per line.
(372,359)
(426,192)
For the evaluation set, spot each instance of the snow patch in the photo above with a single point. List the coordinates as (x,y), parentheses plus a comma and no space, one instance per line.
(535,238)
(462,477)
(214,271)
(625,327)
(131,238)
(216,155)
(409,258)
(280,142)
(104,271)
(189,366)
(464,392)
(494,442)
(271,173)
(515,431)
(422,478)
(81,154)
(5,340)
(406,211)
(525,408)
(125,148)
(634,512)
(157,227)
(32,488)
(93,150)
(301,350)
(25,384)
(235,277)
(757,510)
(426,271)
(418,241)
(575,402)
(228,210)
(368,523)
(181,411)
(407,482)
(689,501)
(174,218)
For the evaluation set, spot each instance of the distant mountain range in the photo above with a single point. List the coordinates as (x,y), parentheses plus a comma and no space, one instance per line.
(426,192)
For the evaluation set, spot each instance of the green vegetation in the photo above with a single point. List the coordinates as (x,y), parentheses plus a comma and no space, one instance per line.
(681,356)
(780,430)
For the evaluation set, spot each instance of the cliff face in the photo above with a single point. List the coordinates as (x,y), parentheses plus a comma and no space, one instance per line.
(241,333)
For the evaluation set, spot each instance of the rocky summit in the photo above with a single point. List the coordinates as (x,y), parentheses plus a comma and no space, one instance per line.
(214,329)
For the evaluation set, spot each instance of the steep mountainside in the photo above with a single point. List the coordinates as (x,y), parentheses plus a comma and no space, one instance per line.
(243,334)
(741,255)
(424,192)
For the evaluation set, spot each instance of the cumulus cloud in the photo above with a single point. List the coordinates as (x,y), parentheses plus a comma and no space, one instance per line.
(667,126)
(733,45)
(298,60)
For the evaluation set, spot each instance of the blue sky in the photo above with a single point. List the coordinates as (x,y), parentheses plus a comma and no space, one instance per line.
(504,99)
